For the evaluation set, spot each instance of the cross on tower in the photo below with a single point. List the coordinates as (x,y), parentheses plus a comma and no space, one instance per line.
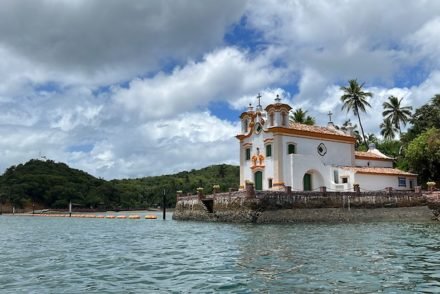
(259,97)
(329,116)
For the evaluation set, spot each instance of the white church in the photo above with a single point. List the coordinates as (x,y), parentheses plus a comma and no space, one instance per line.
(275,153)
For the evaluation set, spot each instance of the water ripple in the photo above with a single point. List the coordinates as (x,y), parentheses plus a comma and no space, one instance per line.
(54,255)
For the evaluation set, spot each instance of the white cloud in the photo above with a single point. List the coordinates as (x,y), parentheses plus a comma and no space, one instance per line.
(124,89)
(221,75)
(91,42)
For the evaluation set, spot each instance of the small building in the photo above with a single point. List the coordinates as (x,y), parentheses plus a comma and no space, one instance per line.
(275,153)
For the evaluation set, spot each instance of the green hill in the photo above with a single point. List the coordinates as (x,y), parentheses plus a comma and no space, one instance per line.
(53,185)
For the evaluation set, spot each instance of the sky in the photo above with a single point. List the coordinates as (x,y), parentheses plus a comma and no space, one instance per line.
(127,89)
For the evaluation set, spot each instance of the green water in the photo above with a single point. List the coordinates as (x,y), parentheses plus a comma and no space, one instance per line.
(62,255)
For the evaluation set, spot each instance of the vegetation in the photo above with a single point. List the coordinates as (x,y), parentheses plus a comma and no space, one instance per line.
(300,116)
(423,155)
(388,129)
(418,150)
(395,113)
(54,185)
(355,99)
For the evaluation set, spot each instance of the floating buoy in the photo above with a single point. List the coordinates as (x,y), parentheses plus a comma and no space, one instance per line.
(100,216)
(121,217)
(150,216)
(110,216)
(134,217)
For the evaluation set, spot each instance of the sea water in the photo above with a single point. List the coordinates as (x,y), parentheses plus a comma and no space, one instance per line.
(71,255)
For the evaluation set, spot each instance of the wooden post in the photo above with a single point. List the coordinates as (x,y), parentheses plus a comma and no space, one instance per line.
(164,204)
(70,208)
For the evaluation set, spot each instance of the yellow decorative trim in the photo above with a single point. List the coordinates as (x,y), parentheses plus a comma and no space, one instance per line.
(278,184)
(309,134)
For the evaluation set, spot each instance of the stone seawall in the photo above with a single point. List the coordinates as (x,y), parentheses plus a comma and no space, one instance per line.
(279,207)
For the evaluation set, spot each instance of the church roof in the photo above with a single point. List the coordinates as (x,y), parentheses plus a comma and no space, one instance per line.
(318,129)
(378,171)
(315,132)
(371,155)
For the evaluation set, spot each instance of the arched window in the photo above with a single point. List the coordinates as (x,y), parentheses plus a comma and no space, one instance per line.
(245,125)
(271,119)
(283,119)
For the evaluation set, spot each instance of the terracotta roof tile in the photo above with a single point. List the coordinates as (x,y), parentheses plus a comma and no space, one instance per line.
(378,170)
(317,129)
(370,154)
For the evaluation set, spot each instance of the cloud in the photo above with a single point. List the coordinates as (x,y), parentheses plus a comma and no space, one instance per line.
(93,42)
(125,89)
(221,75)
(190,140)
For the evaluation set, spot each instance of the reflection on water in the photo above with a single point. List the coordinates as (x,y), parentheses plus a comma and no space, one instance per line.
(101,255)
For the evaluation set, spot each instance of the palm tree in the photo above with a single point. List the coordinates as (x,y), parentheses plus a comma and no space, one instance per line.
(372,138)
(396,113)
(387,129)
(355,132)
(300,116)
(355,99)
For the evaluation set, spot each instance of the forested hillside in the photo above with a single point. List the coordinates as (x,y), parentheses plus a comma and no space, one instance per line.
(54,184)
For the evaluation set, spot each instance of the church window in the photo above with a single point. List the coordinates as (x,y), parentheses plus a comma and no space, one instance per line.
(248,153)
(258,128)
(268,150)
(283,119)
(402,182)
(322,150)
(291,149)
(245,126)
(344,180)
(271,119)
(270,183)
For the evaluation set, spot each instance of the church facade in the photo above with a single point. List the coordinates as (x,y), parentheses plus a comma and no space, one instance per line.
(275,153)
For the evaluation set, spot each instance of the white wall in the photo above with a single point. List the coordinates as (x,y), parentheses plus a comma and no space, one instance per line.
(380,182)
(373,163)
(338,153)
(298,165)
(257,141)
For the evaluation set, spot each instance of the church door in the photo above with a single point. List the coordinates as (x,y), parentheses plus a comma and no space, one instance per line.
(307,181)
(259,181)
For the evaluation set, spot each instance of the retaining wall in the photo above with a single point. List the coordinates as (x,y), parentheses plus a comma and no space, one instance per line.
(280,206)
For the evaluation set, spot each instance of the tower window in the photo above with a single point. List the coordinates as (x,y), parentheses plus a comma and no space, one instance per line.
(248,153)
(271,119)
(268,150)
(283,119)
(270,183)
(291,149)
(245,125)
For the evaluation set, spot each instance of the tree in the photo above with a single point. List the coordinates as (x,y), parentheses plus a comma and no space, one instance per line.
(424,118)
(372,138)
(396,113)
(300,116)
(355,133)
(423,155)
(388,129)
(355,99)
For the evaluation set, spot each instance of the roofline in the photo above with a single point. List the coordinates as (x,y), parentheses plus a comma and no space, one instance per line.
(386,174)
(311,134)
(278,105)
(366,157)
